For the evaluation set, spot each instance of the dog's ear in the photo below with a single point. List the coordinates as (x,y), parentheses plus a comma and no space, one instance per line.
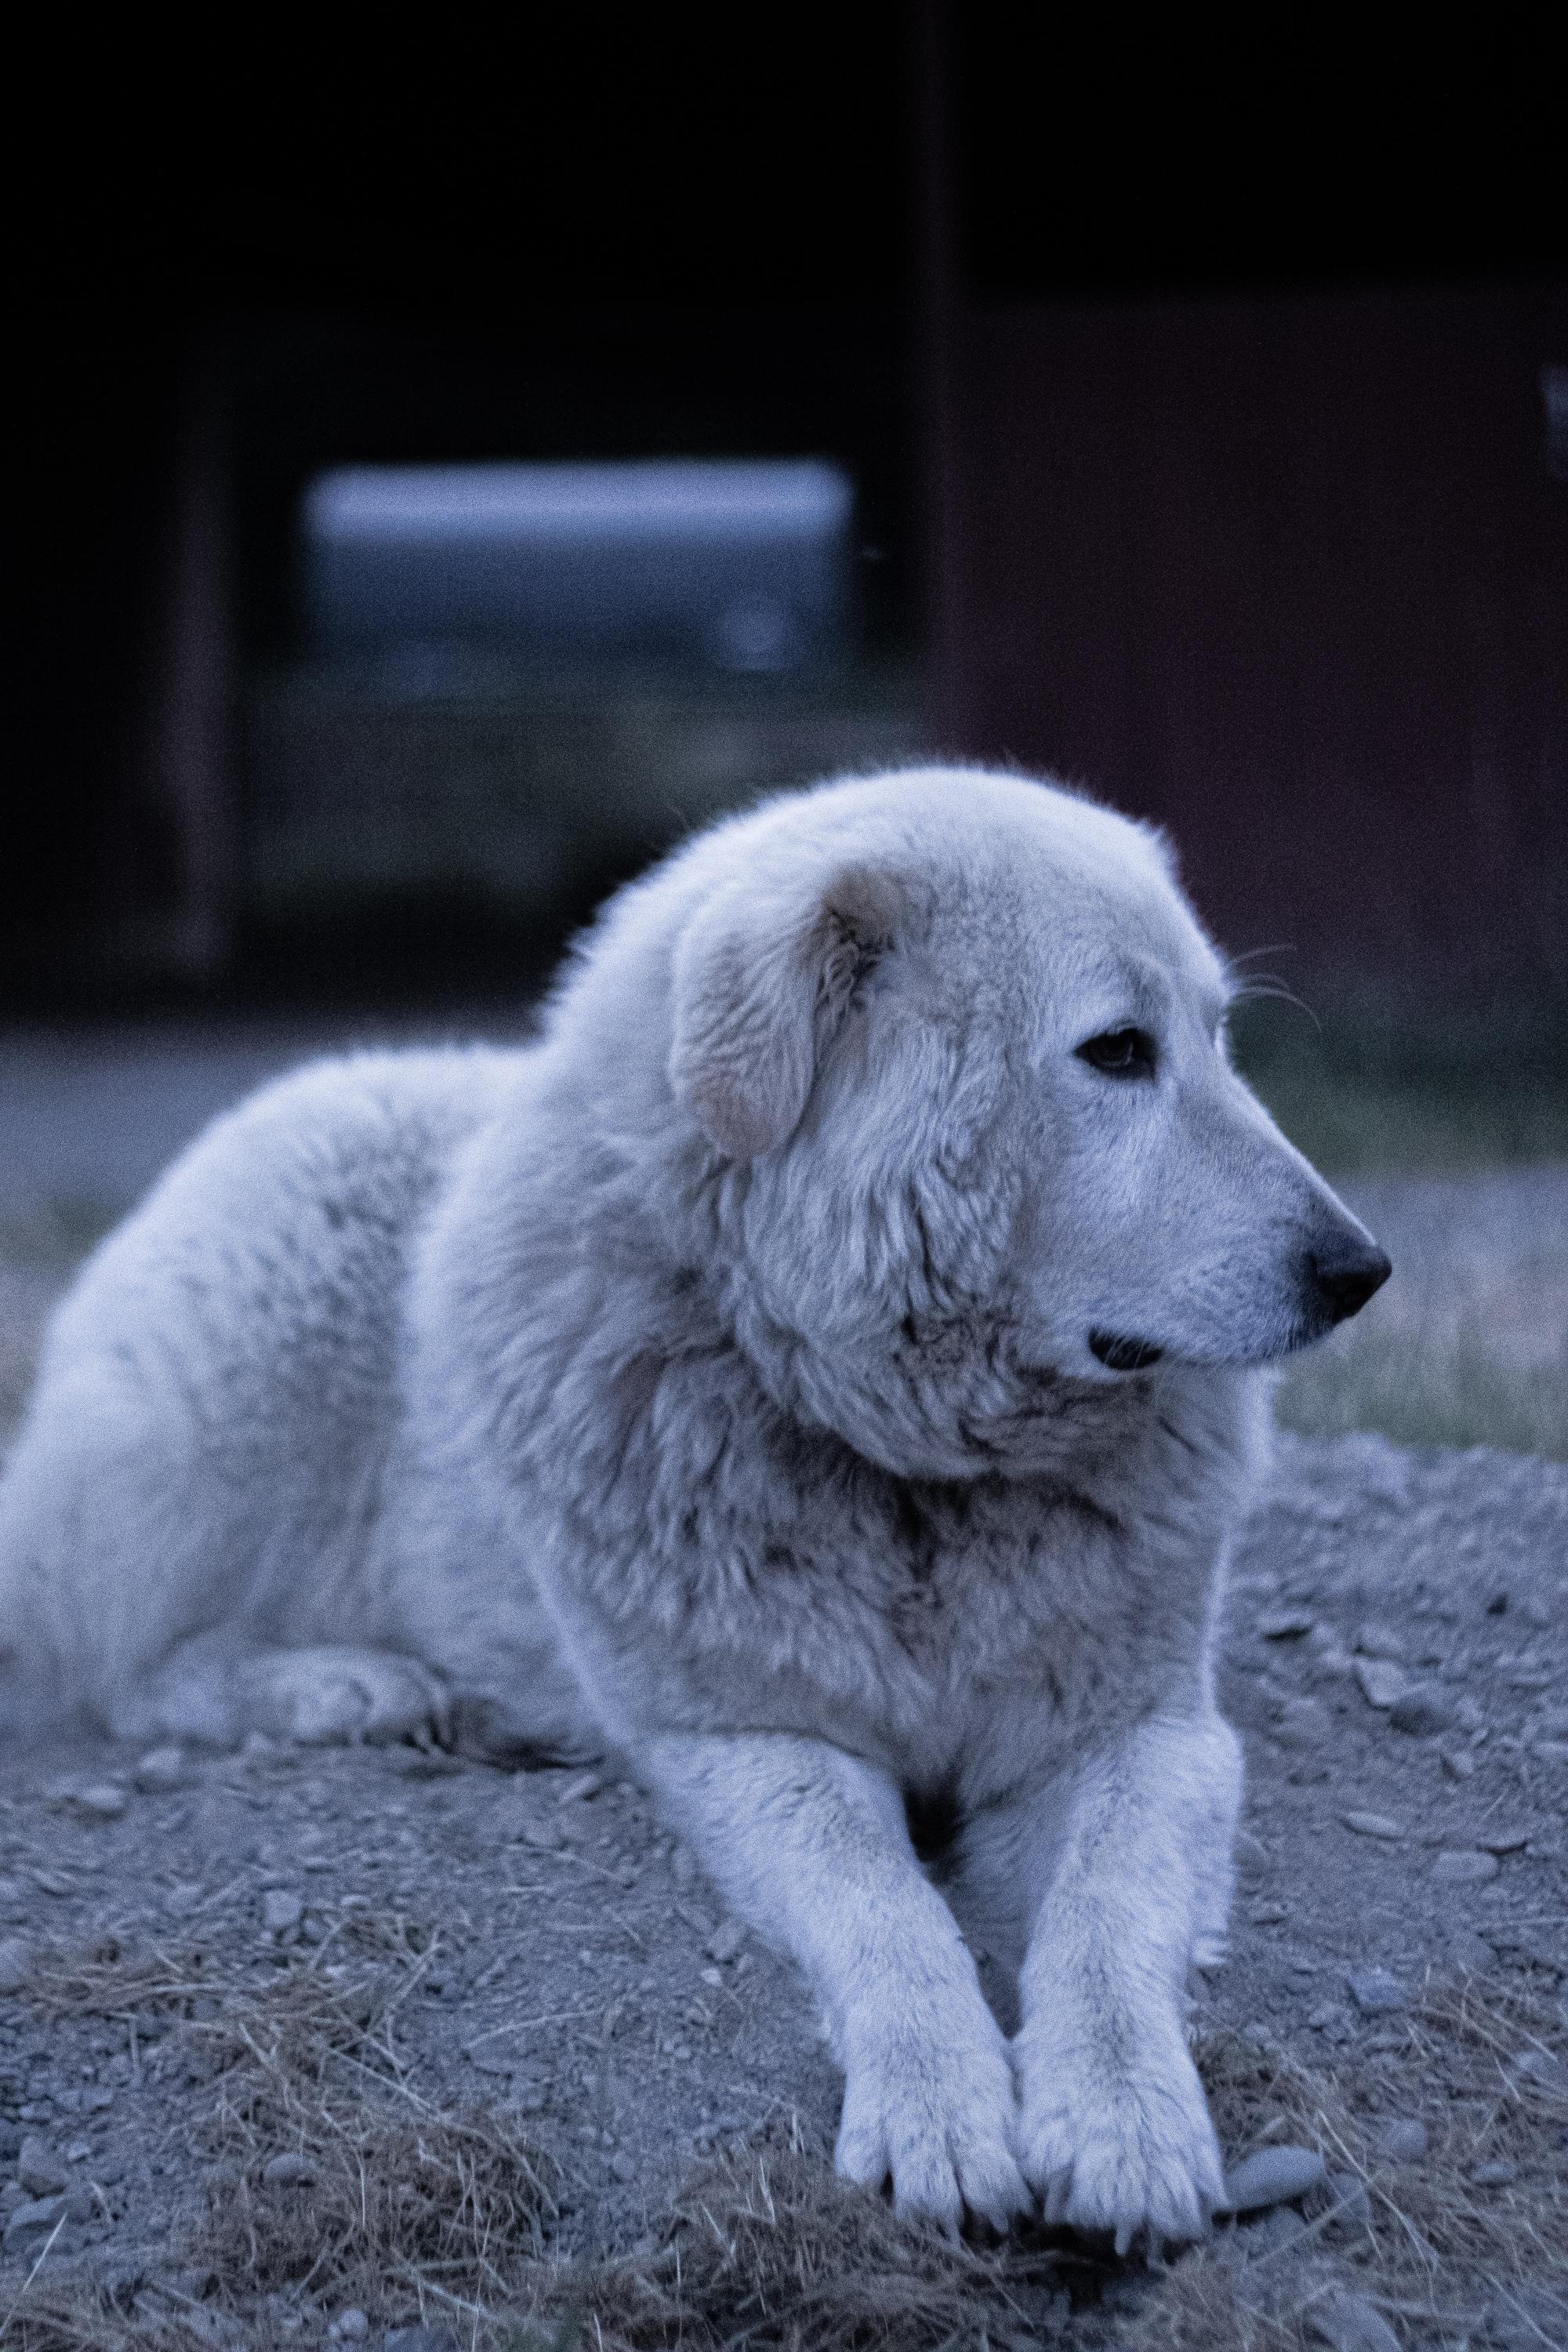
(762,981)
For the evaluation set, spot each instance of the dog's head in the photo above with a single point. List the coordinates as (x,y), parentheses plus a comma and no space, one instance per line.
(949,1049)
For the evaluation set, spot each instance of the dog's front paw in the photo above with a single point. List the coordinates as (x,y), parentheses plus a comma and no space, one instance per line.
(935,2115)
(1125,2147)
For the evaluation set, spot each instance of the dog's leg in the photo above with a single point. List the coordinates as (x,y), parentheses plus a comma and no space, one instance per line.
(810,1845)
(1114,2128)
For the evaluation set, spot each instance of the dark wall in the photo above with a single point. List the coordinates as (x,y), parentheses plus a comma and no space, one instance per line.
(1289,574)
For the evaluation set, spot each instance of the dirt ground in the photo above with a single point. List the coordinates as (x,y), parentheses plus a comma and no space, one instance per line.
(311,2046)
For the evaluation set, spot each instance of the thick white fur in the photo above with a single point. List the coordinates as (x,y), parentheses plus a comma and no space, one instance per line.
(710,1381)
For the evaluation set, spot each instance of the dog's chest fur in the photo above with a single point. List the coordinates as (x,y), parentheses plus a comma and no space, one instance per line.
(739,1571)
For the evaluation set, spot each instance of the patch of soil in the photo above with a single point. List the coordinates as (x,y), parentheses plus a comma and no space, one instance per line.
(309,2046)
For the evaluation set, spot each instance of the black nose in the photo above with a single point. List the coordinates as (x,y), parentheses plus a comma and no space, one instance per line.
(1345,1279)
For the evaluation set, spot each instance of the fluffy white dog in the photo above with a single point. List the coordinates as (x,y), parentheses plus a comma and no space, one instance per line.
(825,1369)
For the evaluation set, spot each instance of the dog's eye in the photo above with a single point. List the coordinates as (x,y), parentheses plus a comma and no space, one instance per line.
(1120,1052)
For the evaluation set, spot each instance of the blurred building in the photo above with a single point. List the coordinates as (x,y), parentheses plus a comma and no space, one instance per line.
(1247,509)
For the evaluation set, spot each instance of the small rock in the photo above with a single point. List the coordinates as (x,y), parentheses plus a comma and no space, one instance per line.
(1272,2175)
(1303,1723)
(545,1837)
(1468,1714)
(1544,2067)
(280,1910)
(33,2219)
(101,1801)
(623,2166)
(1375,1992)
(161,1771)
(1376,1640)
(15,1963)
(1382,1682)
(1351,2203)
(1470,1951)
(1402,2138)
(41,2172)
(726,1940)
(1512,1841)
(1421,1710)
(289,2170)
(1372,1825)
(1348,2322)
(1458,1763)
(1286,1624)
(351,2326)
(1457,1868)
(1268,1915)
(1497,2174)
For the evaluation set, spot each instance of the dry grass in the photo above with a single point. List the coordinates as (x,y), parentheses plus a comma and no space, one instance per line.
(768,2251)
(446,2213)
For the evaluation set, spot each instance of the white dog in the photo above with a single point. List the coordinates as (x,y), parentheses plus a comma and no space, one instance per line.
(824,1370)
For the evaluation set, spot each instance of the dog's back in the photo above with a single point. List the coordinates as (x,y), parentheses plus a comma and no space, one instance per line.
(218,1389)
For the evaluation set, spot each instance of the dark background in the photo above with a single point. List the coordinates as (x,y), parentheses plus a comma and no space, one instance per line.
(1191,386)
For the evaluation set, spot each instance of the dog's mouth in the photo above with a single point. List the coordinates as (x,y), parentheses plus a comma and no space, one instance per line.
(1118,1352)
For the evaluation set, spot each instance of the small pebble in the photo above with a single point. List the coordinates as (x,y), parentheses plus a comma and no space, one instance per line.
(1351,2201)
(1372,1825)
(545,1837)
(1509,1841)
(1375,1992)
(1404,2139)
(1470,1951)
(1272,2175)
(1458,1868)
(1348,2322)
(1250,1852)
(281,1909)
(36,2219)
(1376,1640)
(1286,1624)
(289,2170)
(1458,1763)
(101,1801)
(726,1940)
(1494,2176)
(161,1771)
(41,2172)
(351,2326)
(1544,2067)
(1268,1915)
(1382,1682)
(1420,1711)
(1303,1723)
